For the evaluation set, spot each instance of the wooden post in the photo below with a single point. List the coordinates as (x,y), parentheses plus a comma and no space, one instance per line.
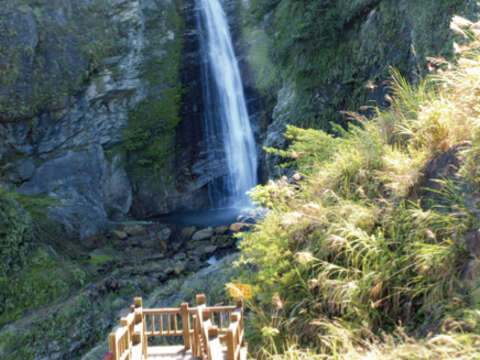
(230,345)
(185,325)
(212,332)
(205,314)
(124,322)
(137,302)
(137,337)
(144,337)
(201,299)
(112,342)
(195,344)
(138,316)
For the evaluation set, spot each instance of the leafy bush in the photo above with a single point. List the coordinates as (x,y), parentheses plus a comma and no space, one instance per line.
(347,261)
(15,234)
(43,280)
(30,276)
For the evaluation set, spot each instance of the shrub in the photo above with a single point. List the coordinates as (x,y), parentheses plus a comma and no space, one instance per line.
(15,234)
(346,261)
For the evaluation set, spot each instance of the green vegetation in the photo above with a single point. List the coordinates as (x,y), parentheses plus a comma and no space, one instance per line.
(149,139)
(336,54)
(15,235)
(99,260)
(360,259)
(30,275)
(43,280)
(54,68)
(35,205)
(79,322)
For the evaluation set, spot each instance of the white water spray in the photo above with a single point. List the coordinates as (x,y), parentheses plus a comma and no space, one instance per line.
(226,117)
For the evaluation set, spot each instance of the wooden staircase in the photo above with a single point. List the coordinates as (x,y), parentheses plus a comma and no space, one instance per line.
(209,333)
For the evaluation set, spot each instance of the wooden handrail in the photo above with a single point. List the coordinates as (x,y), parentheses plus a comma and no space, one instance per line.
(212,326)
(235,337)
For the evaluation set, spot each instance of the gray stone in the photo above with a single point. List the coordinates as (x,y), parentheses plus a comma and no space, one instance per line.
(188,232)
(117,190)
(179,268)
(121,235)
(165,234)
(180,256)
(207,250)
(220,230)
(203,234)
(74,178)
(275,133)
(224,241)
(26,169)
(135,230)
(162,244)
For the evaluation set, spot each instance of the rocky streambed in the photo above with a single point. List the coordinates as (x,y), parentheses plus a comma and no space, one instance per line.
(164,263)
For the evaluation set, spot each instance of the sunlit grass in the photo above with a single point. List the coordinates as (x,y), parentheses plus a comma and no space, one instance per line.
(358,260)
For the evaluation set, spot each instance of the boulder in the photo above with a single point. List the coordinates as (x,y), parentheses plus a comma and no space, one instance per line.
(162,244)
(220,230)
(165,234)
(224,241)
(178,268)
(207,250)
(120,235)
(162,239)
(135,230)
(236,227)
(203,234)
(180,256)
(187,233)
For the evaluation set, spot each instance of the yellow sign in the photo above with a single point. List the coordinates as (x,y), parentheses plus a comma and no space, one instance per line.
(240,291)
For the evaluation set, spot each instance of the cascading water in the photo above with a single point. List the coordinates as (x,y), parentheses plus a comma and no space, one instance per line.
(228,134)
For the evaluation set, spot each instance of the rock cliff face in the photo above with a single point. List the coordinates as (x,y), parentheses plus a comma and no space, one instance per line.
(100,100)
(73,73)
(89,105)
(311,60)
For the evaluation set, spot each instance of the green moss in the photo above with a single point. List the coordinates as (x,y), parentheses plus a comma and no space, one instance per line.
(66,55)
(73,327)
(42,280)
(331,50)
(149,140)
(100,260)
(15,235)
(36,205)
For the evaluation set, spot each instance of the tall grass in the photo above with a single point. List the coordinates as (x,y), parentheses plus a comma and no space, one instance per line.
(349,262)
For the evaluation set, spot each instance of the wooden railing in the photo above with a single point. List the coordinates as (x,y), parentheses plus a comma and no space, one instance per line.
(165,322)
(129,341)
(209,332)
(235,337)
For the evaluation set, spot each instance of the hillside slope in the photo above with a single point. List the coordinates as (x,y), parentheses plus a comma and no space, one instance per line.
(372,249)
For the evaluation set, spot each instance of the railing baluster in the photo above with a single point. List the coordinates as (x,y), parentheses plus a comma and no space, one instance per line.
(168,324)
(226,321)
(161,325)
(152,317)
(185,325)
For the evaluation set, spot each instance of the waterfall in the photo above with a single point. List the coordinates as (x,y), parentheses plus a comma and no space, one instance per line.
(228,134)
